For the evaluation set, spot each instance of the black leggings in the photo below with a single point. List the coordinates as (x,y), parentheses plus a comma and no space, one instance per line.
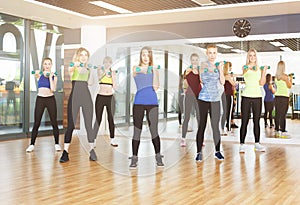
(80,97)
(246,105)
(214,110)
(152,118)
(281,108)
(229,111)
(101,102)
(269,106)
(40,104)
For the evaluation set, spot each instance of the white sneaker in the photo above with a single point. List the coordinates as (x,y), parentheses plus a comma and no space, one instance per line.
(57,147)
(258,147)
(223,132)
(113,142)
(30,148)
(183,142)
(95,143)
(277,134)
(242,148)
(190,129)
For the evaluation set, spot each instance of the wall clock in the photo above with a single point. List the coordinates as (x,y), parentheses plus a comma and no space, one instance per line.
(241,28)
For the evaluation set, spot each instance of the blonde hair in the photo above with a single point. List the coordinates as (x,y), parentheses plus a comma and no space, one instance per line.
(77,54)
(248,56)
(280,70)
(46,59)
(149,49)
(227,67)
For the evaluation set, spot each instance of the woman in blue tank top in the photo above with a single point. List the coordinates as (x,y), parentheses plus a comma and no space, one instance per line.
(47,81)
(147,82)
(269,100)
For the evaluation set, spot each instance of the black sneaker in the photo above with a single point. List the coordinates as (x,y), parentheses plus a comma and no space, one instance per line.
(64,157)
(266,125)
(199,157)
(93,156)
(158,158)
(134,160)
(272,125)
(219,156)
(234,126)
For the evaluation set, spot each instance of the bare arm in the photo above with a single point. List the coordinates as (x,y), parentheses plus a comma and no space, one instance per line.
(262,80)
(155,79)
(53,82)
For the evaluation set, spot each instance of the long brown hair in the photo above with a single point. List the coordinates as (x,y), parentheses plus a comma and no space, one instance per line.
(149,49)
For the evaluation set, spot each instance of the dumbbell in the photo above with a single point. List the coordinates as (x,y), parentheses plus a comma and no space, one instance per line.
(150,68)
(262,67)
(109,73)
(35,72)
(246,67)
(216,70)
(218,63)
(191,66)
(41,73)
(73,64)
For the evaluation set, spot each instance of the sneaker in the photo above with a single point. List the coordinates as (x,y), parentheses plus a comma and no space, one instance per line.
(199,157)
(277,134)
(219,156)
(133,164)
(266,125)
(57,147)
(93,156)
(64,157)
(272,125)
(234,125)
(158,158)
(258,147)
(30,148)
(242,148)
(113,142)
(284,135)
(183,142)
(223,132)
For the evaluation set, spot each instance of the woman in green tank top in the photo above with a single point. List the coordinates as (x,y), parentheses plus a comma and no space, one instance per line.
(252,99)
(283,84)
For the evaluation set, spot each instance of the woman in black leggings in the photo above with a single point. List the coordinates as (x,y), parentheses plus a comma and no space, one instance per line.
(80,97)
(107,85)
(47,81)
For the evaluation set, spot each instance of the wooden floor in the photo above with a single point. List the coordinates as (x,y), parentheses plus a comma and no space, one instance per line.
(251,178)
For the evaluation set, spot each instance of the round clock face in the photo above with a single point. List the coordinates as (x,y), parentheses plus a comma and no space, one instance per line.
(241,28)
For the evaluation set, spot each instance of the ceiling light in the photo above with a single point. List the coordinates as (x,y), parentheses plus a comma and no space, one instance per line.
(286,49)
(276,43)
(223,46)
(204,2)
(110,7)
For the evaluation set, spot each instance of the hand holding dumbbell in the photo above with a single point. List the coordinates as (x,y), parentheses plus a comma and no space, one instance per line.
(263,67)
(292,75)
(76,64)
(218,63)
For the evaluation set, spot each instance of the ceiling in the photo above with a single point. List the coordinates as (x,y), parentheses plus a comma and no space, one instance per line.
(136,6)
(78,13)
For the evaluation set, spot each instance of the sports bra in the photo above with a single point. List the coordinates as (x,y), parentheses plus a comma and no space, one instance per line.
(43,82)
(106,80)
(80,76)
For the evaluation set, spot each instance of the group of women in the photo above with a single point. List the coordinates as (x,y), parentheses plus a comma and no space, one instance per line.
(205,89)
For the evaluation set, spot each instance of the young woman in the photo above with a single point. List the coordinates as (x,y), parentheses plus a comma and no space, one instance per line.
(229,88)
(107,85)
(47,81)
(146,78)
(252,99)
(269,100)
(283,84)
(211,77)
(181,90)
(190,99)
(80,97)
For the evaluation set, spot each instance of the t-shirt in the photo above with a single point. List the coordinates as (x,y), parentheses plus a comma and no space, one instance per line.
(145,94)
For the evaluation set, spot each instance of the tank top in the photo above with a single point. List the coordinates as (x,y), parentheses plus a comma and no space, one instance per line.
(145,94)
(106,80)
(281,88)
(252,87)
(80,76)
(228,88)
(194,84)
(43,82)
(210,89)
(269,96)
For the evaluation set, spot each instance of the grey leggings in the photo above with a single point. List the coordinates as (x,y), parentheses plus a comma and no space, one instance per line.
(214,112)
(190,101)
